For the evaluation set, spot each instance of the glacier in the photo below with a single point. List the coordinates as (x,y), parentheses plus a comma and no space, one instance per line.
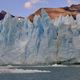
(42,41)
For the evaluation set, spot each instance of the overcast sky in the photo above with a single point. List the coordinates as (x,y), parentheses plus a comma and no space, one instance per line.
(27,7)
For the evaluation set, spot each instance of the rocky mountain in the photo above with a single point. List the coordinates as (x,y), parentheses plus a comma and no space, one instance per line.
(56,12)
(2,14)
(52,12)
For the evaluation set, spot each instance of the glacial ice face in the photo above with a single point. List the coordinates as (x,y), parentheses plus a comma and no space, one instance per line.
(43,41)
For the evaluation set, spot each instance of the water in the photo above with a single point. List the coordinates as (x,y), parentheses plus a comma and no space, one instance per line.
(57,73)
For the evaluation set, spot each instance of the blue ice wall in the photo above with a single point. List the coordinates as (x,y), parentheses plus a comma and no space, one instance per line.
(22,41)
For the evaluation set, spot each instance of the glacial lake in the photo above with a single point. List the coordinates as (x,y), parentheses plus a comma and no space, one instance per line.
(43,73)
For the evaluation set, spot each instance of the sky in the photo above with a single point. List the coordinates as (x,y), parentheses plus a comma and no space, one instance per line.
(26,7)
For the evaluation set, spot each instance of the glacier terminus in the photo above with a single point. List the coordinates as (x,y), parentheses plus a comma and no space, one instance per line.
(42,41)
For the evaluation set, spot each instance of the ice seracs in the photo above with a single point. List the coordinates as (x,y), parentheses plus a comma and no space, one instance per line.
(37,42)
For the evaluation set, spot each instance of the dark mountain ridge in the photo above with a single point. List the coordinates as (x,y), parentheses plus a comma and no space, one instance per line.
(52,12)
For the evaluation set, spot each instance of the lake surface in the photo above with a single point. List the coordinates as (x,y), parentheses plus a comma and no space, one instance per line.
(45,73)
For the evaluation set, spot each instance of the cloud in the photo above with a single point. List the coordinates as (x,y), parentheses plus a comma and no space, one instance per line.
(34,1)
(70,2)
(30,4)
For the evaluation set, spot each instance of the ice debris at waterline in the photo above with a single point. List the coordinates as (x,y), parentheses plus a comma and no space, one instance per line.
(25,42)
(23,71)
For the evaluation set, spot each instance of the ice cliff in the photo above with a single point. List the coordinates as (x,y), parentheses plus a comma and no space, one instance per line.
(42,41)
